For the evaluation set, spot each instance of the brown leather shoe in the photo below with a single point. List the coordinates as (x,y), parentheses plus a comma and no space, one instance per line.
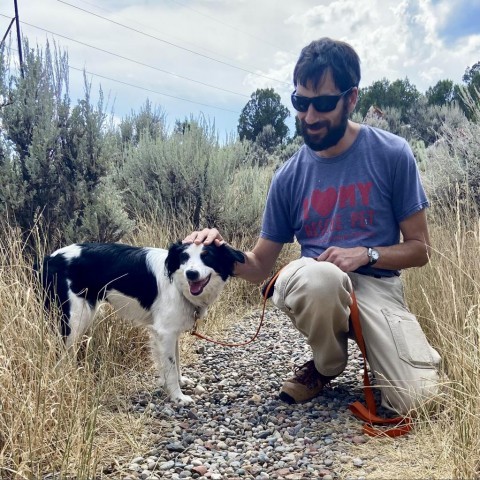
(306,384)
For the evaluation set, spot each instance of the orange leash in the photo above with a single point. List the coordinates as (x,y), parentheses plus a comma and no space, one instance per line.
(262,318)
(368,413)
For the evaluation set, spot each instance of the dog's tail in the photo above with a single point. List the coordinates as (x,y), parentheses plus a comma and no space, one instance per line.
(52,276)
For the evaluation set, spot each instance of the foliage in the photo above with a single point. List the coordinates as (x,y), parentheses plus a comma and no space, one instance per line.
(267,138)
(400,94)
(425,121)
(445,92)
(186,174)
(264,108)
(472,75)
(244,202)
(452,167)
(57,158)
(470,100)
(442,93)
(149,121)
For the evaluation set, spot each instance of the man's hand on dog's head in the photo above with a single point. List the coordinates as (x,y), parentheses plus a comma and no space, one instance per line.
(206,236)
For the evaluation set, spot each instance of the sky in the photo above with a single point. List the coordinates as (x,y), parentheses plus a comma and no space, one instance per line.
(205,58)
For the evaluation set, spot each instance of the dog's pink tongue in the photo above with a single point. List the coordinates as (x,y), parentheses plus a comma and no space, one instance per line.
(196,287)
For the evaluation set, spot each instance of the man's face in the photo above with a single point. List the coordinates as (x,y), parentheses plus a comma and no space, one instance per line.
(322,131)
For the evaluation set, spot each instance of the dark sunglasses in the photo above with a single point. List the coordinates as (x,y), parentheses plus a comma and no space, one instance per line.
(323,103)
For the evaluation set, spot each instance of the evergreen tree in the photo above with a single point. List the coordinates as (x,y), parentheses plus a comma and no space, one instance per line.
(264,108)
(442,93)
(400,94)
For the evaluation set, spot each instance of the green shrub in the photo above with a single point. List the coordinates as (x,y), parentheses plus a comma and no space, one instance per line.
(452,164)
(56,159)
(189,175)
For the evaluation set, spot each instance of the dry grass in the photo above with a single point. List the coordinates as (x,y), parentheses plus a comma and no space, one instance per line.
(446,295)
(74,418)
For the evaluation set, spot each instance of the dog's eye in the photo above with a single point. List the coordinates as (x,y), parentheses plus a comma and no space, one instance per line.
(203,253)
(184,257)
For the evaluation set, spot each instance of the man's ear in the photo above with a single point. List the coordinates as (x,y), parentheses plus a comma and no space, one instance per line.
(352,100)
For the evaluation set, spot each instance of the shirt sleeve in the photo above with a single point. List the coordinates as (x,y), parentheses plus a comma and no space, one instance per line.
(276,223)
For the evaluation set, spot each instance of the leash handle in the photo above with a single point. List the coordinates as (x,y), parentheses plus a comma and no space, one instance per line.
(369,413)
(262,318)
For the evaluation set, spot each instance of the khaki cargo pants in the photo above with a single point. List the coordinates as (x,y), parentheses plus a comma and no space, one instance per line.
(316,297)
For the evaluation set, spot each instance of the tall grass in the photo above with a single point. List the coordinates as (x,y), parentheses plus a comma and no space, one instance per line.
(446,297)
(74,418)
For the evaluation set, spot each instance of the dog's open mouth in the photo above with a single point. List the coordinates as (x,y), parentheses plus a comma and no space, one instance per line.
(196,288)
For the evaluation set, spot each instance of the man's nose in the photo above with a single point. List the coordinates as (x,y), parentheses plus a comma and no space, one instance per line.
(311,115)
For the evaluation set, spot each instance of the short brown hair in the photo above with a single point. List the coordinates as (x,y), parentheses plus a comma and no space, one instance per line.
(326,54)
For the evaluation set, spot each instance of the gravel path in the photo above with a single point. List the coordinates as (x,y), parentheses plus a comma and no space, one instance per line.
(238,429)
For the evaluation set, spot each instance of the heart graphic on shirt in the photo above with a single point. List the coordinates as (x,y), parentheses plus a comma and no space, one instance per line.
(324,201)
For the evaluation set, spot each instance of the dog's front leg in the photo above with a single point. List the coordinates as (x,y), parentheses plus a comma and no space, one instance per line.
(164,349)
(183,380)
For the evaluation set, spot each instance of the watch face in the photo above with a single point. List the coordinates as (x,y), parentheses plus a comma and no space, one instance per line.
(373,255)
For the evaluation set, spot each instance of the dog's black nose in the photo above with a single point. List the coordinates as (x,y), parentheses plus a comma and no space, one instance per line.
(192,275)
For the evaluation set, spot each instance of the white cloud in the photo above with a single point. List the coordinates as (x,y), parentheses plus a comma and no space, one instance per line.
(394,40)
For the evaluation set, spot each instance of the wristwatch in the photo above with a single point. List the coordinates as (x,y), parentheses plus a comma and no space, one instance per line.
(373,256)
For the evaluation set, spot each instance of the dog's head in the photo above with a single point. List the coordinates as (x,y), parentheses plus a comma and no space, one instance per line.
(200,271)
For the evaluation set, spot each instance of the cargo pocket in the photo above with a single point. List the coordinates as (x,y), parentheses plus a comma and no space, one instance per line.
(412,344)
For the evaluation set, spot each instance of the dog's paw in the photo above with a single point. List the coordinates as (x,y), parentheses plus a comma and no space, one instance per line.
(183,399)
(185,381)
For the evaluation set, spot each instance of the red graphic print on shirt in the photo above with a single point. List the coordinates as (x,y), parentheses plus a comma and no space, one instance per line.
(331,211)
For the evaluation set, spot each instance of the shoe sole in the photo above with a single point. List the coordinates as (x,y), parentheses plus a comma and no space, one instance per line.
(285,397)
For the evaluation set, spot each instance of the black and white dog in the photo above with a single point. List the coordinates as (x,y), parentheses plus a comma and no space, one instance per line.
(162,289)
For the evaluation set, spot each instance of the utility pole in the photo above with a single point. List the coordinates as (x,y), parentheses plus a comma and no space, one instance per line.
(19,38)
(8,29)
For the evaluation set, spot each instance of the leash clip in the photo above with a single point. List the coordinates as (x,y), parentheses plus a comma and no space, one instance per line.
(196,316)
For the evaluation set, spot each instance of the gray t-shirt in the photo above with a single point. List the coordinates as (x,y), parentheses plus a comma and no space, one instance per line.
(357,198)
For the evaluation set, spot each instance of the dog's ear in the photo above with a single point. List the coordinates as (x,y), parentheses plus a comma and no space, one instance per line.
(231,256)
(172,262)
(237,255)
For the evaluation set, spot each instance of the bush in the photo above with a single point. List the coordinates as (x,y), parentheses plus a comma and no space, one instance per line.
(452,165)
(189,175)
(55,160)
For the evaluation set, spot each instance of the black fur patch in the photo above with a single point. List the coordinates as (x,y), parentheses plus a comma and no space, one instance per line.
(101,267)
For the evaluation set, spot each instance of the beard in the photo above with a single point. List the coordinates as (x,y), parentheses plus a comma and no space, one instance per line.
(334,132)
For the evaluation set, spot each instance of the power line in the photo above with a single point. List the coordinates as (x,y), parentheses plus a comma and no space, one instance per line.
(233,27)
(151,91)
(148,89)
(133,60)
(172,44)
(110,11)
